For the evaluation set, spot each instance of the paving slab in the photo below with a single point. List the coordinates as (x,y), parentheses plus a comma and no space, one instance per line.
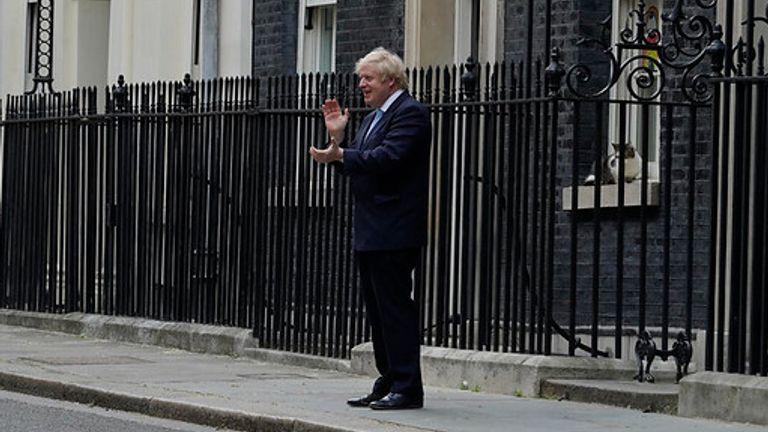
(244,394)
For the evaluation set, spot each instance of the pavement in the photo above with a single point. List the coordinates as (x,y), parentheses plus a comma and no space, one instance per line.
(250,395)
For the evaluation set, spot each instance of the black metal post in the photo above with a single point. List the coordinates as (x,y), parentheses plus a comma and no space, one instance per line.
(716,51)
(475,30)
(43,79)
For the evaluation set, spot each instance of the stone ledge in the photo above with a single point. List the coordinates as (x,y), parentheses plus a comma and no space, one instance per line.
(727,397)
(503,373)
(298,359)
(658,397)
(199,338)
(609,196)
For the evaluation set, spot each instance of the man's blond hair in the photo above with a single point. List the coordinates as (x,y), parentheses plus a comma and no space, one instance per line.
(389,65)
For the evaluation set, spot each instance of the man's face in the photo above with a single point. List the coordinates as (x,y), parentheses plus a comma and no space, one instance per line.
(375,89)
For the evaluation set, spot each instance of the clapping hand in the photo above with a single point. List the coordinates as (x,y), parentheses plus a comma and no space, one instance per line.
(332,153)
(335,122)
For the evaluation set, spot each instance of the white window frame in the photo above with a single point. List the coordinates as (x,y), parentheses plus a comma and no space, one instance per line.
(311,40)
(311,64)
(619,91)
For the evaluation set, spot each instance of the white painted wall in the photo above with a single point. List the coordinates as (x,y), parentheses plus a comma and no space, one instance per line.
(80,44)
(145,40)
(436,45)
(153,40)
(150,40)
(438,32)
(92,44)
(12,45)
(235,37)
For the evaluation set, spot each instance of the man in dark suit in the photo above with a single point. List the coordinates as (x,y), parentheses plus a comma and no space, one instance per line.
(388,164)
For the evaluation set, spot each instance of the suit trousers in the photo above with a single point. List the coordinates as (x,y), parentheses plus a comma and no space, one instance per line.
(387,283)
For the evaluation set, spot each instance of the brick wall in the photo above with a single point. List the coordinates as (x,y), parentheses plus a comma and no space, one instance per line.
(275,29)
(363,25)
(572,20)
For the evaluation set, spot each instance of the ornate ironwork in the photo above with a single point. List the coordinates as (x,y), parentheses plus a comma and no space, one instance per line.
(646,351)
(717,51)
(44,48)
(644,51)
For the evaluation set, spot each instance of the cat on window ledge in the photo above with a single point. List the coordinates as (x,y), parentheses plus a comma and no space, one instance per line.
(610,166)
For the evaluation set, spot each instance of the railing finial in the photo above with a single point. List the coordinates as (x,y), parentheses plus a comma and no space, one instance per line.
(186,92)
(717,51)
(554,73)
(120,94)
(469,80)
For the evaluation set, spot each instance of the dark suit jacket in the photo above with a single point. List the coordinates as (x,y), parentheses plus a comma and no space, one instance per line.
(389,176)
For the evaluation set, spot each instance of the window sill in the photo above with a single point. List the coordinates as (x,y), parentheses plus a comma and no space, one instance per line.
(609,195)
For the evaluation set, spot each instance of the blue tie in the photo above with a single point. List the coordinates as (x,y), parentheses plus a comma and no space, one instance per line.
(376,118)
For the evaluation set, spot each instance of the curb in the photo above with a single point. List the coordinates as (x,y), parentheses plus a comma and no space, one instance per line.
(161,408)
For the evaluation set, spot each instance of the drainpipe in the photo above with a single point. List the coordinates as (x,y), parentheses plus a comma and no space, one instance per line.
(253,37)
(470,76)
(209,32)
(475,31)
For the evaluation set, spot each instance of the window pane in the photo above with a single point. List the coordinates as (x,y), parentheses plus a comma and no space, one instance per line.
(636,134)
(319,39)
(328,15)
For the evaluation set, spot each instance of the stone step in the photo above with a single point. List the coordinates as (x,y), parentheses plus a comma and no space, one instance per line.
(659,397)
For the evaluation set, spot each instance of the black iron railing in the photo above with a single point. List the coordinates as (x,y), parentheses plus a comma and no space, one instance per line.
(737,328)
(197,201)
(737,331)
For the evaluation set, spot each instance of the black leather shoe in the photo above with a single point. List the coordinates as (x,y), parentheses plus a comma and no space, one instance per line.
(397,401)
(365,400)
